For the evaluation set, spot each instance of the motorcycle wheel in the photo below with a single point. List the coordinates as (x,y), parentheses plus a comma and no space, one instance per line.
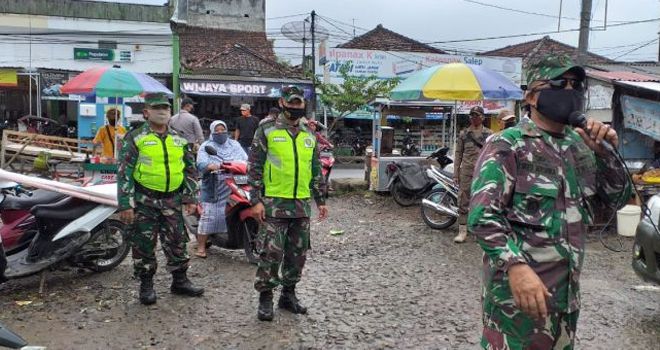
(250,231)
(400,196)
(112,230)
(434,219)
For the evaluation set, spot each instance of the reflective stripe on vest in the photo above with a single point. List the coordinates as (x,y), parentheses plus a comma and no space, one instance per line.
(160,165)
(288,168)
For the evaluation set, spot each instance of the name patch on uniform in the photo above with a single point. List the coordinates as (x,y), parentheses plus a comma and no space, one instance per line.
(150,143)
(279,139)
(309,142)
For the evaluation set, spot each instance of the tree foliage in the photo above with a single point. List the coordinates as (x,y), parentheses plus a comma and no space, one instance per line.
(353,93)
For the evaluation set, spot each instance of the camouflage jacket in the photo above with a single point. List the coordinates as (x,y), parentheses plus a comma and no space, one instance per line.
(467,151)
(533,197)
(281,207)
(128,159)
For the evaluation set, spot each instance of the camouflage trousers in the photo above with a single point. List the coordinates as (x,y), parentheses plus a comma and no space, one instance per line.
(464,184)
(158,218)
(508,328)
(282,242)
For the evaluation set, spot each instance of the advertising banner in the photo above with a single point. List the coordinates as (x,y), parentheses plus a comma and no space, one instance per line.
(391,64)
(641,115)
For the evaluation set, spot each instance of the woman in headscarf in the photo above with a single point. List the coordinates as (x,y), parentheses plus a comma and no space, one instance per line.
(214,190)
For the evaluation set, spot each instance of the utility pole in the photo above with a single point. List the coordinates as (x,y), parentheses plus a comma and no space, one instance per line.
(304,40)
(313,65)
(583,44)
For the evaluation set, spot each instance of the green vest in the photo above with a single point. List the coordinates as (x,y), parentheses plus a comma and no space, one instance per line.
(288,168)
(160,165)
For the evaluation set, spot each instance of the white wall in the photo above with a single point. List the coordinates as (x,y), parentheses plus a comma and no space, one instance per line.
(53,40)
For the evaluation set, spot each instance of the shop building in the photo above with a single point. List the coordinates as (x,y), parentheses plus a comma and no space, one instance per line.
(222,67)
(46,42)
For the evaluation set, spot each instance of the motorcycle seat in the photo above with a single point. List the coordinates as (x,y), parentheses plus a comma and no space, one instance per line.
(24,202)
(66,209)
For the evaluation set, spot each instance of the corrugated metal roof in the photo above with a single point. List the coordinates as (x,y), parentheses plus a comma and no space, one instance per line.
(648,85)
(622,76)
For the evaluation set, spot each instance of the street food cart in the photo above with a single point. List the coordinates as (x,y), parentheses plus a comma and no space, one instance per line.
(384,151)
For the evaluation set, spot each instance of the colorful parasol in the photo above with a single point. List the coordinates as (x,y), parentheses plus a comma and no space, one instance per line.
(113,82)
(456,82)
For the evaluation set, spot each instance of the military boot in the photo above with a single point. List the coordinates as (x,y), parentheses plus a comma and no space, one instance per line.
(462,234)
(147,292)
(265,311)
(289,301)
(181,285)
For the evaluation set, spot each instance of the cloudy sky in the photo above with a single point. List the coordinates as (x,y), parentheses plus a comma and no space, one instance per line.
(442,21)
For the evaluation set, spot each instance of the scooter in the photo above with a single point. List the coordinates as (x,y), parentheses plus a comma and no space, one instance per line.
(440,206)
(242,227)
(10,339)
(409,181)
(46,230)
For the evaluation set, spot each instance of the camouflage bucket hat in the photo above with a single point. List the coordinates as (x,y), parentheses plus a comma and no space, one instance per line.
(151,100)
(292,92)
(553,66)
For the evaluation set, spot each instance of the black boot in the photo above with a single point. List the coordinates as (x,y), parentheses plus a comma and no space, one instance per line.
(181,285)
(147,292)
(289,301)
(265,311)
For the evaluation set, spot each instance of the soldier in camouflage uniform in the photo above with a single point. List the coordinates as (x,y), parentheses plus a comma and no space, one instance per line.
(532,201)
(469,144)
(157,176)
(284,172)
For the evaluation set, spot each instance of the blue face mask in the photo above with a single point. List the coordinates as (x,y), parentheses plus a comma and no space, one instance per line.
(220,138)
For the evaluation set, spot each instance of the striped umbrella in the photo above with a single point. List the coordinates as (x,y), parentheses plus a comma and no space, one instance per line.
(456,82)
(113,82)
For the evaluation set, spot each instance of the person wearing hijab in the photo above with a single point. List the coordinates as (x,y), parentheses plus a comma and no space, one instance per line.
(214,190)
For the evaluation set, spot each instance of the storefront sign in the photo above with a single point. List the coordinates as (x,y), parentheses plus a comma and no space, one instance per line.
(387,64)
(489,106)
(236,88)
(102,55)
(641,115)
(599,97)
(8,77)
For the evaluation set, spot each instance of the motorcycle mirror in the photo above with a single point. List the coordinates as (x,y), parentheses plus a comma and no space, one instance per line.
(210,150)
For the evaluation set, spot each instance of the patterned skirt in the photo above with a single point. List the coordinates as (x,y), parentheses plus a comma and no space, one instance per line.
(212,219)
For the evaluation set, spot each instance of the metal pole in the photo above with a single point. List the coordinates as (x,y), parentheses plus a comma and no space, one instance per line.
(304,44)
(583,44)
(561,2)
(176,64)
(313,65)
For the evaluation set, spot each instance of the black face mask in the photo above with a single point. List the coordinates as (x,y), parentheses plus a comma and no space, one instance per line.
(294,113)
(557,105)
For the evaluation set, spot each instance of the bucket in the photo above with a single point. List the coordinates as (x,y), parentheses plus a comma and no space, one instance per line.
(627,219)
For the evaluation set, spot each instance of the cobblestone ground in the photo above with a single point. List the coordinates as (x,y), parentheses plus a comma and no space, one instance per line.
(387,282)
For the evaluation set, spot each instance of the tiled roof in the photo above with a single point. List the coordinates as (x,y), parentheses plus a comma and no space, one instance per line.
(621,76)
(381,38)
(532,51)
(222,51)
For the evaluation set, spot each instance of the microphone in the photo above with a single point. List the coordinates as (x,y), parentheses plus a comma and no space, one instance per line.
(577,119)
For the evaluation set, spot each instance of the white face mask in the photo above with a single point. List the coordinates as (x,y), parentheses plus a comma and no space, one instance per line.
(159,116)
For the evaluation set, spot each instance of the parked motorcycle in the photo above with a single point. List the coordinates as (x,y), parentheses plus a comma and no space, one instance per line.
(409,146)
(409,181)
(440,206)
(10,339)
(45,230)
(242,227)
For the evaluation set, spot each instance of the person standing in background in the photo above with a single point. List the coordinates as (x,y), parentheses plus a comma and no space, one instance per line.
(105,136)
(187,124)
(468,147)
(245,127)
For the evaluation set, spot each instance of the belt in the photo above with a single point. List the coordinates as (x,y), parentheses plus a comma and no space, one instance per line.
(156,194)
